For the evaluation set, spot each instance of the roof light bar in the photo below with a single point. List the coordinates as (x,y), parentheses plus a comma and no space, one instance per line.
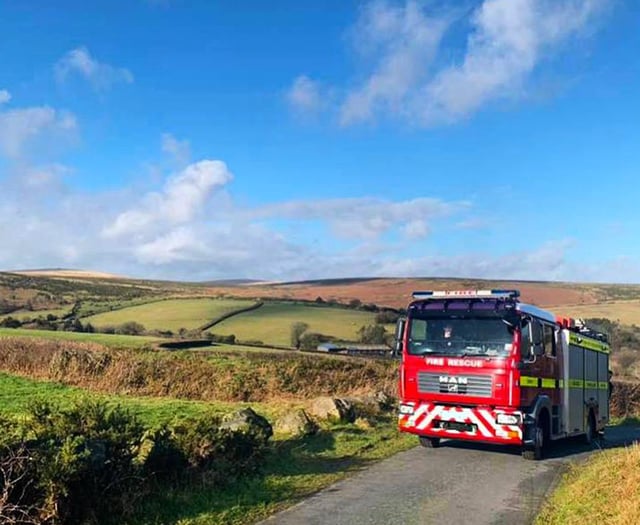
(438,294)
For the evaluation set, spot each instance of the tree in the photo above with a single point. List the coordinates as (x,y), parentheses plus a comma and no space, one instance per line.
(373,334)
(297,329)
(355,303)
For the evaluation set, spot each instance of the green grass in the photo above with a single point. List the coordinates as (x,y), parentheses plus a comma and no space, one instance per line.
(295,468)
(111,340)
(170,314)
(30,314)
(604,490)
(271,323)
(17,393)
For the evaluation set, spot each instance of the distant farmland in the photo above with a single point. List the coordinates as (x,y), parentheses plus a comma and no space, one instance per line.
(625,312)
(170,314)
(271,323)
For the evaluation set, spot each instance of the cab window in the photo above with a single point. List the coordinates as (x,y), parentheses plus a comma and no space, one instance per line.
(525,341)
(549,340)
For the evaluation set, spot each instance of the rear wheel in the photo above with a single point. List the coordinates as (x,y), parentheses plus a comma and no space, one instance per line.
(590,431)
(537,450)
(429,442)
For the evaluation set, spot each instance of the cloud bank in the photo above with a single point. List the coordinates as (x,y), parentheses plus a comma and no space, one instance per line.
(409,70)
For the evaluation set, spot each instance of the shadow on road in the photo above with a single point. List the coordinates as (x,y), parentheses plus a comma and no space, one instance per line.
(615,436)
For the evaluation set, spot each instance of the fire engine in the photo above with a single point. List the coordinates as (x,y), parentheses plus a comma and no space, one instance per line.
(480,365)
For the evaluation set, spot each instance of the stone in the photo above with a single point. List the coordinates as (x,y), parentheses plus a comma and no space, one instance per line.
(248,422)
(296,423)
(334,409)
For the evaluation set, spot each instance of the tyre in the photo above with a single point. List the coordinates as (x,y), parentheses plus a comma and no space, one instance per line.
(537,451)
(429,442)
(590,431)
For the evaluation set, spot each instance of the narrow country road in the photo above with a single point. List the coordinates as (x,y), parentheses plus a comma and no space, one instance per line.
(456,483)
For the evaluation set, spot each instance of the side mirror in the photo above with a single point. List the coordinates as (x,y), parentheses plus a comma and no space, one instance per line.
(399,337)
(538,349)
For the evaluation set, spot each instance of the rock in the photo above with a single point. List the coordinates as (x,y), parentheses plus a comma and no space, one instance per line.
(335,409)
(247,421)
(296,423)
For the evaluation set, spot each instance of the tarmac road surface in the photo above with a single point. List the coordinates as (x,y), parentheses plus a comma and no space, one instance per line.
(457,483)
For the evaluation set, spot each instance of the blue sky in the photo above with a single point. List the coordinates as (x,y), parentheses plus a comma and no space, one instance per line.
(203,140)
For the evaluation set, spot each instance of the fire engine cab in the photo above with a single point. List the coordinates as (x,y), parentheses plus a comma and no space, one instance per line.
(480,365)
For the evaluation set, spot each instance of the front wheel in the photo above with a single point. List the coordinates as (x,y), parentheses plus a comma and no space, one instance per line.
(537,451)
(429,442)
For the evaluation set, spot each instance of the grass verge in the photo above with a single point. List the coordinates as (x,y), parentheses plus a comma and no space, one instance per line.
(605,489)
(295,468)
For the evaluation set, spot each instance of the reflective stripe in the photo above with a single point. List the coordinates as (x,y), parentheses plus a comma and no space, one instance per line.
(561,383)
(538,382)
(576,383)
(528,381)
(548,383)
(591,384)
(588,343)
(603,385)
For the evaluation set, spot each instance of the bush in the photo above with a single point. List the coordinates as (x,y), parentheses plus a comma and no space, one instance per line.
(372,334)
(89,462)
(130,328)
(387,317)
(311,340)
(297,330)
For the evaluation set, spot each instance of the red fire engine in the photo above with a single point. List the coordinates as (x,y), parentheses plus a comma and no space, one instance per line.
(480,365)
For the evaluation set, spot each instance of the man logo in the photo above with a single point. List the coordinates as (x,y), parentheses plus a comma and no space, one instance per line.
(454,384)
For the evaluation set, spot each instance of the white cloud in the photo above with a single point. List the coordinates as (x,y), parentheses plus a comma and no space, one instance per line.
(183,197)
(179,150)
(366,218)
(305,95)
(101,76)
(5,96)
(408,68)
(509,39)
(404,41)
(20,128)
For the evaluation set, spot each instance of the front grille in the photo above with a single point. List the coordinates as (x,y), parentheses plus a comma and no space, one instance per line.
(457,384)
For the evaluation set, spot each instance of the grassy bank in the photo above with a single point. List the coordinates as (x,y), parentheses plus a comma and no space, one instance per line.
(207,376)
(295,467)
(604,490)
(110,340)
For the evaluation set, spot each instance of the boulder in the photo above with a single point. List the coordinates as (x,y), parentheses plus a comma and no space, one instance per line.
(334,409)
(296,423)
(248,422)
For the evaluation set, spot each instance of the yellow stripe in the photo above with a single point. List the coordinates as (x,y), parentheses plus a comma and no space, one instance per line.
(576,383)
(548,383)
(528,381)
(591,384)
(603,385)
(561,383)
(588,343)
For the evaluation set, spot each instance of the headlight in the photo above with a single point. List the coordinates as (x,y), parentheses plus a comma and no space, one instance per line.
(508,419)
(406,409)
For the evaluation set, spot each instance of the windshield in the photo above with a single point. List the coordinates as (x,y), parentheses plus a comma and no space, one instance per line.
(482,336)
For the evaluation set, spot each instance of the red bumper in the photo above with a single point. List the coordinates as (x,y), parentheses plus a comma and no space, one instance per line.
(467,423)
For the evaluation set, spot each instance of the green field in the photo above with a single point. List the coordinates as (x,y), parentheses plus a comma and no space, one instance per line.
(111,340)
(170,314)
(271,323)
(31,314)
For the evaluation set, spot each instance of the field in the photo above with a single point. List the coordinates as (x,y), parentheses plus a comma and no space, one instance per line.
(170,314)
(625,312)
(271,323)
(30,314)
(110,340)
